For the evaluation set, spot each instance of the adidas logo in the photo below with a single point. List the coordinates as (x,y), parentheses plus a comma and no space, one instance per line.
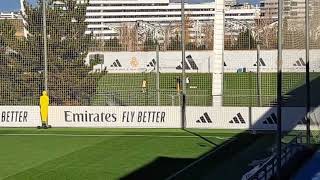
(300,62)
(152,63)
(116,63)
(237,119)
(189,64)
(272,119)
(204,119)
(303,121)
(261,63)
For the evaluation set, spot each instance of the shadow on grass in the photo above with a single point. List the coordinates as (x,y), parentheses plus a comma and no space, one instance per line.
(297,97)
(231,159)
(168,168)
(203,138)
(160,168)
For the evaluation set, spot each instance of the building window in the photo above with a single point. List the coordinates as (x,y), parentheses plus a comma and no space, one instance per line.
(294,13)
(294,3)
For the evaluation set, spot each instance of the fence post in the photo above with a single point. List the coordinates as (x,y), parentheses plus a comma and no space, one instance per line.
(279,87)
(44,26)
(158,75)
(183,109)
(258,75)
(183,104)
(249,37)
(307,41)
(218,63)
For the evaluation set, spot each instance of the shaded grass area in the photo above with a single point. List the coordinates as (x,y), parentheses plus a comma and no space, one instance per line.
(43,154)
(314,139)
(239,89)
(232,161)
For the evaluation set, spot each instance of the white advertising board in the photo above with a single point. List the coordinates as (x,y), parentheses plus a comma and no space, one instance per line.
(19,116)
(202,61)
(257,118)
(115,116)
(217,118)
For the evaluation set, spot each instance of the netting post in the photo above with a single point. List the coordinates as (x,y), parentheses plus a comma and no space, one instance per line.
(44,24)
(307,45)
(183,34)
(158,75)
(217,65)
(258,75)
(279,87)
(249,43)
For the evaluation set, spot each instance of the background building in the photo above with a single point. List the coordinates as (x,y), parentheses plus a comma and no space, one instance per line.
(16,20)
(292,8)
(104,17)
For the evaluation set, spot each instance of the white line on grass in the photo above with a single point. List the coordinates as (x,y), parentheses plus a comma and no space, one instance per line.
(115,135)
(198,160)
(222,138)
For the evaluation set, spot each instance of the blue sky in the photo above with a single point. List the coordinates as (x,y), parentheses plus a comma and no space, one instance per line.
(14,5)
(11,5)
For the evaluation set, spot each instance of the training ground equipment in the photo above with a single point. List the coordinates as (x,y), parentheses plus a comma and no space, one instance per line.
(45,126)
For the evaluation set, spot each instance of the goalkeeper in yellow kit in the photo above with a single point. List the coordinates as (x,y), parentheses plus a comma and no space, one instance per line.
(44,108)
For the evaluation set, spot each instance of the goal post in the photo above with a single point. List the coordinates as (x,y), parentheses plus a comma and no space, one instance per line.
(217,65)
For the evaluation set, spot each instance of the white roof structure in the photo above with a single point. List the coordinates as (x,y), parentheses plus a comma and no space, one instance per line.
(11,15)
(104,15)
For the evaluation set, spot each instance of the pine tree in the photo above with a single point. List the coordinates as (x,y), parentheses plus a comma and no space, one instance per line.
(149,43)
(18,76)
(246,40)
(69,80)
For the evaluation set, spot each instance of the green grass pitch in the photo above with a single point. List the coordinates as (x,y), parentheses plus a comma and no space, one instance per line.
(125,89)
(78,154)
(239,89)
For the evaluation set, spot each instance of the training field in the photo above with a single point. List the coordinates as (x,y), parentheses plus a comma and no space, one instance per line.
(79,153)
(239,89)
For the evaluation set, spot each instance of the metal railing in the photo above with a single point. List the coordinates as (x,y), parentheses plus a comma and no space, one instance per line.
(269,168)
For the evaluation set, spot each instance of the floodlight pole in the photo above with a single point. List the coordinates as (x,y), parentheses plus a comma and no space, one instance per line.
(183,34)
(279,88)
(307,45)
(44,24)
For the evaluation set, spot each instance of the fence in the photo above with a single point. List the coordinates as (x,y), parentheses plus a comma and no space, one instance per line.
(94,61)
(62,49)
(243,118)
(268,169)
(151,58)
